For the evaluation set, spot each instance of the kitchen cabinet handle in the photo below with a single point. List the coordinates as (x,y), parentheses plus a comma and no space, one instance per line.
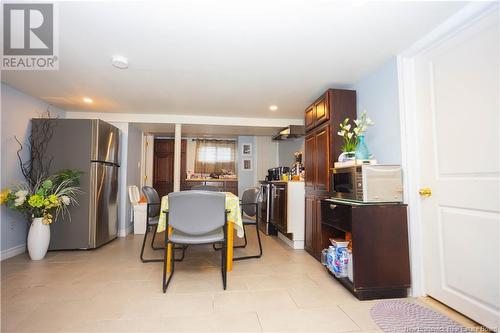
(332,206)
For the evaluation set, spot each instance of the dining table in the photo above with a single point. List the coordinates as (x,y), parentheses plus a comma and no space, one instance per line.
(234,223)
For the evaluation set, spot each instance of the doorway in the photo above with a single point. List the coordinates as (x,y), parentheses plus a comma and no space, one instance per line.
(163,165)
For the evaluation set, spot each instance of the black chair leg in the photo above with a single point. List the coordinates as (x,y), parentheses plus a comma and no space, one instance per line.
(224,264)
(237,246)
(184,248)
(172,268)
(260,247)
(144,245)
(155,227)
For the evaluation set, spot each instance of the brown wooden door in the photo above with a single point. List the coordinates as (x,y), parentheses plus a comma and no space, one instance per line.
(309,161)
(310,117)
(163,165)
(309,231)
(322,112)
(322,162)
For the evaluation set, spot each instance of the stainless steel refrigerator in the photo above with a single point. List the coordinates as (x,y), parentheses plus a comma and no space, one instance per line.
(91,146)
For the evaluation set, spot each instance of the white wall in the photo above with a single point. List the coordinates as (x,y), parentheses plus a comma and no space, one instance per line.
(130,173)
(266,151)
(378,95)
(134,157)
(123,202)
(286,150)
(16,111)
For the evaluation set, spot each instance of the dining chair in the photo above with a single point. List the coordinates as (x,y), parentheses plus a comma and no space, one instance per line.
(206,224)
(152,218)
(249,204)
(250,211)
(205,188)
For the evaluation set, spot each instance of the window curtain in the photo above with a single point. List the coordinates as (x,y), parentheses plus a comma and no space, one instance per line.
(214,155)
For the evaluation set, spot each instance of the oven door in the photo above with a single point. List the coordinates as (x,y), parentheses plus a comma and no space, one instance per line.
(343,183)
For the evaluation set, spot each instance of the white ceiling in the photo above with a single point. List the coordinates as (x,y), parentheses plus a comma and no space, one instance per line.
(224,57)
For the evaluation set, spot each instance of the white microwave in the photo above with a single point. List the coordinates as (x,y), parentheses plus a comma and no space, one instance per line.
(368,183)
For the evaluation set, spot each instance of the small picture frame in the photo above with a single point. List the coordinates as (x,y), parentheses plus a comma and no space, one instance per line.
(247,149)
(247,164)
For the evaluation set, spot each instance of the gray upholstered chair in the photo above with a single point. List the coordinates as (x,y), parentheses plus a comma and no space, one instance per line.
(250,215)
(205,188)
(250,211)
(206,224)
(152,218)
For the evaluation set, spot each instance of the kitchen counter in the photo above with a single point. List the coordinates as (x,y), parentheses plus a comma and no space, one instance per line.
(213,180)
(223,185)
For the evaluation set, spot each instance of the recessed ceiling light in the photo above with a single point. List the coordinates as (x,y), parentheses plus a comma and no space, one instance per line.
(88,100)
(273,107)
(119,62)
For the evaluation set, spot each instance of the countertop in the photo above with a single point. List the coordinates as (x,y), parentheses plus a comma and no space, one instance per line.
(213,180)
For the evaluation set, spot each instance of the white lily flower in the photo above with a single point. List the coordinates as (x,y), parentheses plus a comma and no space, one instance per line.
(349,135)
(65,200)
(21,193)
(357,121)
(348,127)
(19,201)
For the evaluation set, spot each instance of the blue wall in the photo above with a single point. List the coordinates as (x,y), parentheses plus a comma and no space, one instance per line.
(246,178)
(17,111)
(378,95)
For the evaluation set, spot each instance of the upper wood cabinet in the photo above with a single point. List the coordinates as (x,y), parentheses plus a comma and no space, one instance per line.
(322,112)
(310,118)
(317,113)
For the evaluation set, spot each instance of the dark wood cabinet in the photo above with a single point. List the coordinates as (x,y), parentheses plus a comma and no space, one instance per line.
(380,253)
(322,163)
(321,149)
(278,207)
(321,107)
(223,185)
(310,223)
(310,161)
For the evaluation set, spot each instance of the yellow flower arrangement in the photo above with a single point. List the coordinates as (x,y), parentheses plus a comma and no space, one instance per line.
(4,196)
(52,195)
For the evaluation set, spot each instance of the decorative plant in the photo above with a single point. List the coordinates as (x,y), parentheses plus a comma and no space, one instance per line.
(47,198)
(41,195)
(351,137)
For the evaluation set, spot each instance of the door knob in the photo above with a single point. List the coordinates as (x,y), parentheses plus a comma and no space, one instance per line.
(425,192)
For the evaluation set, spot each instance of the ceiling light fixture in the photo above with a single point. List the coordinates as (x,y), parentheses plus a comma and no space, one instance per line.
(119,62)
(88,100)
(273,107)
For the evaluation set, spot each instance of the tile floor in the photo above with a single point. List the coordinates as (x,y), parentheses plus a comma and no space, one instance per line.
(110,290)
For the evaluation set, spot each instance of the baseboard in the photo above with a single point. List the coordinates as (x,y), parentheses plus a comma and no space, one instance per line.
(126,231)
(12,252)
(296,244)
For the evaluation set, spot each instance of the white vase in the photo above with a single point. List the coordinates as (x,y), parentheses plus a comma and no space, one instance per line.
(38,239)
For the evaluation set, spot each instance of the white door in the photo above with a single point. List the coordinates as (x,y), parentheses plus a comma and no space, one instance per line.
(457,99)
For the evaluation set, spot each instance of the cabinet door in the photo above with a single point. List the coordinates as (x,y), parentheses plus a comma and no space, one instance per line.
(322,113)
(310,117)
(322,162)
(309,224)
(310,161)
(320,242)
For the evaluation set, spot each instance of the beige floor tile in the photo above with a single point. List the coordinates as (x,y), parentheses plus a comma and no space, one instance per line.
(111,290)
(359,312)
(330,319)
(247,301)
